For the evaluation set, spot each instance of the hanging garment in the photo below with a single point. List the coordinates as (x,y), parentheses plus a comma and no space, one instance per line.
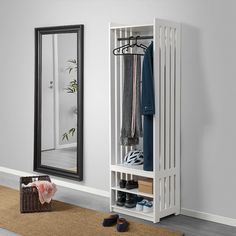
(131,128)
(148,108)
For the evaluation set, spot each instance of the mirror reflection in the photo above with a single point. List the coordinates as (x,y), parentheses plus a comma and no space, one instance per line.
(59,101)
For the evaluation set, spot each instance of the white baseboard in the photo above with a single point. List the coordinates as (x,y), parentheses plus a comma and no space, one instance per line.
(58,182)
(210,217)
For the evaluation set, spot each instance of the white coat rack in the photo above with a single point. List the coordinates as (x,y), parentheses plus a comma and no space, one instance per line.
(166,121)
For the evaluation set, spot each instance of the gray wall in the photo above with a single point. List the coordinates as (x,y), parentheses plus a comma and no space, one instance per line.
(208,88)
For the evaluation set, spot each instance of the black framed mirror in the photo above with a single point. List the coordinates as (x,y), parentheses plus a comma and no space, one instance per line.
(58,131)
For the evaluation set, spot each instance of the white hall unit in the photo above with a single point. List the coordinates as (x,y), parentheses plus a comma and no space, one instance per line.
(166,121)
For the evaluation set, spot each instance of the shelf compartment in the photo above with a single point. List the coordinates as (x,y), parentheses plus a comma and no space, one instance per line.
(133,191)
(133,170)
(133,212)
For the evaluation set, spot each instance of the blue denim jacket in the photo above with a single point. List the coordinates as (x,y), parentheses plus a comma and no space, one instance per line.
(148,100)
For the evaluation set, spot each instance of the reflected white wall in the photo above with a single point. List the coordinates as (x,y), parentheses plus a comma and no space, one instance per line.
(67,50)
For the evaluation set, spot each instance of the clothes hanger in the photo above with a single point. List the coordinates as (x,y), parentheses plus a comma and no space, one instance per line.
(135,44)
(117,51)
(121,50)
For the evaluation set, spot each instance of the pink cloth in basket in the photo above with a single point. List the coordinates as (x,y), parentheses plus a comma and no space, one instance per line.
(46,190)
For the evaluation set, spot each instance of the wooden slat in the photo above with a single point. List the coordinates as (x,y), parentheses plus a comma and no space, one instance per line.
(156,123)
(162,188)
(167,191)
(172,97)
(122,152)
(162,98)
(167,172)
(167,98)
(117,101)
(175,190)
(111,111)
(177,119)
(172,191)
(111,102)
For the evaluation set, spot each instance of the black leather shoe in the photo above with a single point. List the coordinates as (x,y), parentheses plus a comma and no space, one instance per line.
(111,220)
(121,198)
(122,183)
(131,184)
(122,225)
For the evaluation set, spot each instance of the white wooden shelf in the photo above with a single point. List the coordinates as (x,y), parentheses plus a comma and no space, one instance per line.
(133,170)
(133,191)
(133,212)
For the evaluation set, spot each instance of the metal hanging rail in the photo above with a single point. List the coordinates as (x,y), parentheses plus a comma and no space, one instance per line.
(134,38)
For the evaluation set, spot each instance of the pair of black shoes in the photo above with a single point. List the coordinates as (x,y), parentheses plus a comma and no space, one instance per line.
(128,200)
(128,184)
(121,223)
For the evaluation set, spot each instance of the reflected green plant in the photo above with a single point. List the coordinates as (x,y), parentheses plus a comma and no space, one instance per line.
(71,88)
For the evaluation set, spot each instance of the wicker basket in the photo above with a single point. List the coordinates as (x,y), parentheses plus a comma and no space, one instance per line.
(29,197)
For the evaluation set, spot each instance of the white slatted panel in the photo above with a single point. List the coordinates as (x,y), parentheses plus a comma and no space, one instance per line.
(172,191)
(172,97)
(167,100)
(156,123)
(117,109)
(167,193)
(112,102)
(122,153)
(177,119)
(175,197)
(162,194)
(112,116)
(169,133)
(162,98)
(117,100)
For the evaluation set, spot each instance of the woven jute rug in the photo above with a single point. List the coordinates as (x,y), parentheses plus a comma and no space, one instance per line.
(64,220)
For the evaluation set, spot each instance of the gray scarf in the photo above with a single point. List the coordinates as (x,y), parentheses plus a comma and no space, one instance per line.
(131,118)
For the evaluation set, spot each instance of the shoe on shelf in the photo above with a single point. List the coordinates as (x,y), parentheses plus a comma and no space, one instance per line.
(131,200)
(110,221)
(121,198)
(123,183)
(122,225)
(148,207)
(139,198)
(139,205)
(130,184)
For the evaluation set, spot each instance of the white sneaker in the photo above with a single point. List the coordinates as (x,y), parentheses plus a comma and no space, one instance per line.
(148,207)
(139,205)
